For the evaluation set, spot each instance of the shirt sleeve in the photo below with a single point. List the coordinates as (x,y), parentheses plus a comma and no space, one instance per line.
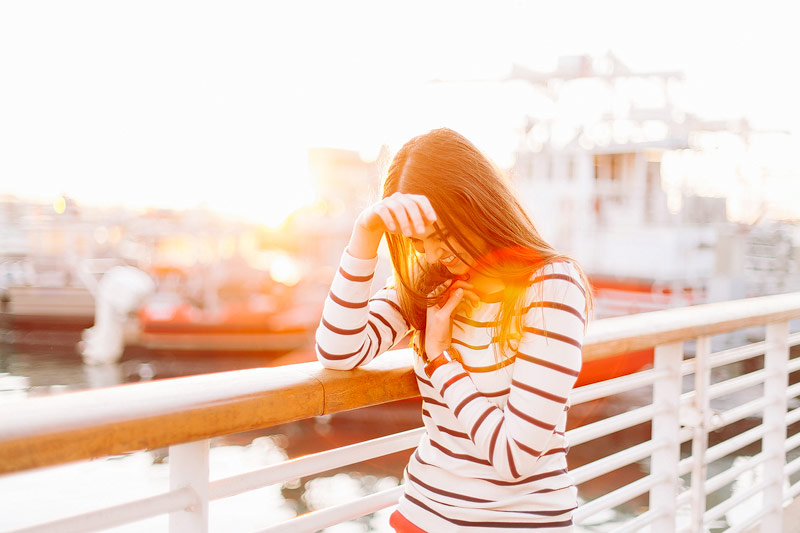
(355,328)
(547,364)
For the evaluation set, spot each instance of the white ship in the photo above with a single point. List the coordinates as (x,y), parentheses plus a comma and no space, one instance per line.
(596,188)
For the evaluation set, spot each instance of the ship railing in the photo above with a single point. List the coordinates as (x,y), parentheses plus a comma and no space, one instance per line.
(680,482)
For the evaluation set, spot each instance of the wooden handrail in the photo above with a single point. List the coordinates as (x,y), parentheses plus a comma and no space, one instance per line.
(96,423)
(646,330)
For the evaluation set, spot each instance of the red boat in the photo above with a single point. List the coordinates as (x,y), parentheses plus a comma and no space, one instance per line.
(626,296)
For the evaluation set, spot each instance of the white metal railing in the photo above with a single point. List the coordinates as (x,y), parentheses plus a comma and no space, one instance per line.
(48,431)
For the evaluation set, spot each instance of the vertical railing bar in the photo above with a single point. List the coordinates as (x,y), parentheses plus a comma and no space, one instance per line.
(188,467)
(665,429)
(775,363)
(699,432)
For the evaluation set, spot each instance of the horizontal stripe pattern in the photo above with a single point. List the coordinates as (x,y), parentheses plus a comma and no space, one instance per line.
(345,303)
(355,327)
(483,524)
(493,457)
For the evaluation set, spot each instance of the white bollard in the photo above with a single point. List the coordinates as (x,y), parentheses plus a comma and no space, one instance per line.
(120,291)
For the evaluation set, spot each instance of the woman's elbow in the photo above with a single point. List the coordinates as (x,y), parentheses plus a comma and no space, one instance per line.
(504,473)
(515,467)
(333,362)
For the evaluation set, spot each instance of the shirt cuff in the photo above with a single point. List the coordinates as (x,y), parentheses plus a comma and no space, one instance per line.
(356,266)
(445,373)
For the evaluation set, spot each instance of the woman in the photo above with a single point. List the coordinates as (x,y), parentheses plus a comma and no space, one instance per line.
(497,318)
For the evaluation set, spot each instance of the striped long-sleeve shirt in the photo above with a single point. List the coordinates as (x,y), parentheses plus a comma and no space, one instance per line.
(493,457)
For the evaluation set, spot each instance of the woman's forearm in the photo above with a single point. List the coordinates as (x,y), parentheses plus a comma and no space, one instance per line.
(363,243)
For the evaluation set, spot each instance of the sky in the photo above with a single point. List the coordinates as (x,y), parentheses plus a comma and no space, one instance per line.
(176,104)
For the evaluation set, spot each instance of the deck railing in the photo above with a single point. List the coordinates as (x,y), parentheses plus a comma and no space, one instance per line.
(683,391)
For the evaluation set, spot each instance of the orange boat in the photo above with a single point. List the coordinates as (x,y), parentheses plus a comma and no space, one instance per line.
(166,322)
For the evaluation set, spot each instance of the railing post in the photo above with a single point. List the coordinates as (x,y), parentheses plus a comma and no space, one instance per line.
(665,429)
(188,467)
(776,360)
(702,407)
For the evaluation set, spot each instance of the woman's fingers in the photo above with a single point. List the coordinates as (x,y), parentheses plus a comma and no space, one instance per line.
(469,296)
(425,207)
(408,214)
(438,328)
(469,299)
(449,308)
(411,213)
(440,290)
(386,217)
(414,211)
(398,211)
(464,308)
(468,293)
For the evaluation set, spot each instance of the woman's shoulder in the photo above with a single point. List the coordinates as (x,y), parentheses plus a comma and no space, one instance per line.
(558,269)
(562,275)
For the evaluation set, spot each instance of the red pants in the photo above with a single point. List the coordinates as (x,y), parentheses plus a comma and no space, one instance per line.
(401,524)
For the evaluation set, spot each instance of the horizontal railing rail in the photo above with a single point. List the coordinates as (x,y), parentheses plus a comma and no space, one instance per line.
(53,430)
(183,413)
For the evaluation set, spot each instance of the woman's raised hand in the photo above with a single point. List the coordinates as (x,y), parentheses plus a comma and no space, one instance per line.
(455,297)
(406,214)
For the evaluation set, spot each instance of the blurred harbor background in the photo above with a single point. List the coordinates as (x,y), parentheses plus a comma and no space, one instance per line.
(177,183)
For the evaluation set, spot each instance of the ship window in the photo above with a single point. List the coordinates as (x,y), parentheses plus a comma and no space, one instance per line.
(608,167)
(544,166)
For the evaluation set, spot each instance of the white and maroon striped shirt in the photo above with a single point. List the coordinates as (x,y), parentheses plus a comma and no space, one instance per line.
(493,457)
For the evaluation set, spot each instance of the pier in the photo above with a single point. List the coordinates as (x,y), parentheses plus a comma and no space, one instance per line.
(698,388)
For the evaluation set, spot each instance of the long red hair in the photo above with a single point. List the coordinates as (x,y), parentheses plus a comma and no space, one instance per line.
(468,192)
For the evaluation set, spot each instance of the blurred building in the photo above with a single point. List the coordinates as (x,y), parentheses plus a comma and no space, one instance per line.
(342,178)
(346,184)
